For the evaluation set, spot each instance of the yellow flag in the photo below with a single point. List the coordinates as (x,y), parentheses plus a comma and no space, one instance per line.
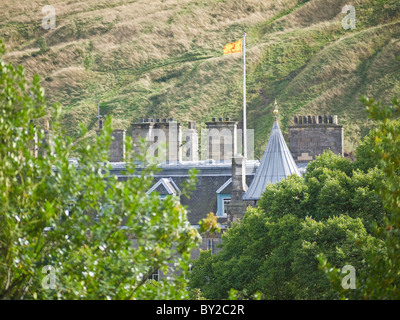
(233,47)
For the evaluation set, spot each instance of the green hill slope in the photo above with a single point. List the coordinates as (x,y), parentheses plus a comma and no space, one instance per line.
(163,58)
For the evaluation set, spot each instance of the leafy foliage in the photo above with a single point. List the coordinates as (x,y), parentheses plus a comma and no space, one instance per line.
(103,237)
(331,213)
(278,257)
(332,186)
(209,224)
(382,281)
(215,275)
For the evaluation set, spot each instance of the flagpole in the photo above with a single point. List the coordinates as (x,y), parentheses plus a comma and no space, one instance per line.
(244,100)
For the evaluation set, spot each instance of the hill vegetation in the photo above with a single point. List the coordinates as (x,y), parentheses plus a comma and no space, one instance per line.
(163,58)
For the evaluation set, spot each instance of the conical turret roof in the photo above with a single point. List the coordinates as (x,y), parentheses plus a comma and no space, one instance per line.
(276,164)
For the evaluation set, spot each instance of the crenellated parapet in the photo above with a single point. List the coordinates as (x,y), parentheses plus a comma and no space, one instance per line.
(310,136)
(304,120)
(221,139)
(163,138)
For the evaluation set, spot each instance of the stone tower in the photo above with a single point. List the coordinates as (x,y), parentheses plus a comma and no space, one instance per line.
(221,139)
(117,147)
(163,138)
(190,146)
(309,136)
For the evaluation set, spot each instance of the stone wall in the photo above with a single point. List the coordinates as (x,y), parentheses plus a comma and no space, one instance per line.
(190,143)
(221,139)
(218,143)
(163,138)
(117,147)
(309,136)
(208,242)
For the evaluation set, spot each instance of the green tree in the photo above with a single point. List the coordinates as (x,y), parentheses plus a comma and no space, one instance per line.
(332,186)
(364,153)
(274,250)
(236,265)
(103,237)
(292,192)
(277,257)
(382,281)
(291,270)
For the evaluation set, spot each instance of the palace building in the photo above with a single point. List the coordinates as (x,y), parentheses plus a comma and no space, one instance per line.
(227,183)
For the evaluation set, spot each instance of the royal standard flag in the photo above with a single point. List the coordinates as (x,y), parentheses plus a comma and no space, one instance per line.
(233,47)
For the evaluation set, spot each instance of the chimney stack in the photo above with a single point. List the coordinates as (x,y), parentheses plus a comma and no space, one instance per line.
(309,136)
(221,140)
(117,147)
(190,150)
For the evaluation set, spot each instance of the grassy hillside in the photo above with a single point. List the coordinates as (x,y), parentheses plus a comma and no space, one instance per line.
(163,58)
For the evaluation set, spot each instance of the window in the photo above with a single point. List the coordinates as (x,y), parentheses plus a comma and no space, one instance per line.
(154,276)
(225,202)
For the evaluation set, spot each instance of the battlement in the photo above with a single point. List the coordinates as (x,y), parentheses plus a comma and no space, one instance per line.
(309,136)
(227,119)
(221,139)
(156,120)
(166,140)
(307,120)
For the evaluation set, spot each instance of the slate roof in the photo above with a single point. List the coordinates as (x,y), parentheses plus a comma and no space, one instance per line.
(227,186)
(211,177)
(276,164)
(165,186)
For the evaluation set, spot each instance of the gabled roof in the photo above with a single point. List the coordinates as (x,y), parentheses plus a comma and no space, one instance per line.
(225,187)
(276,164)
(165,186)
